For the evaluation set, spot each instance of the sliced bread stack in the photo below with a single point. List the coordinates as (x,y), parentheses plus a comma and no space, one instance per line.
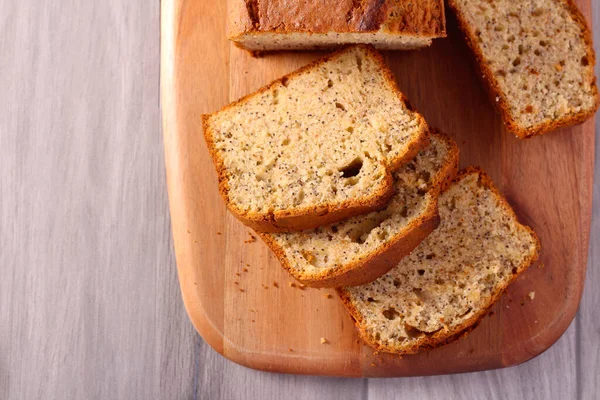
(360,249)
(342,179)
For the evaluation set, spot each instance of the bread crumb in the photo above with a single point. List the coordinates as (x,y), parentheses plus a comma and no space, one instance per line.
(292,284)
(252,320)
(532,295)
(275,284)
(189,231)
(218,233)
(327,295)
(245,270)
(324,341)
(242,290)
(238,274)
(301,286)
(290,349)
(541,265)
(373,365)
(251,239)
(236,283)
(195,241)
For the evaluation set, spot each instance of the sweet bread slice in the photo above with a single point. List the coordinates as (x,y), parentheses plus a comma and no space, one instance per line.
(316,146)
(536,58)
(447,284)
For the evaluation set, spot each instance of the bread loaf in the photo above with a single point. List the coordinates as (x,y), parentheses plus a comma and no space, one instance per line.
(310,24)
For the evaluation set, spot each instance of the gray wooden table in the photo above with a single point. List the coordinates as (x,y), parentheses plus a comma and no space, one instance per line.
(90,306)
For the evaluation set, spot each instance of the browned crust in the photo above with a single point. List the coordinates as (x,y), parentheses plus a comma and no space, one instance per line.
(446,335)
(491,83)
(424,19)
(315,216)
(387,256)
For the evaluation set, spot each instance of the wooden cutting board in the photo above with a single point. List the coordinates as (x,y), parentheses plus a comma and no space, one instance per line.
(238,297)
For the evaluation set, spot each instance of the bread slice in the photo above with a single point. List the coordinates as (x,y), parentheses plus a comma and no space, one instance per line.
(311,24)
(536,58)
(316,146)
(361,249)
(452,278)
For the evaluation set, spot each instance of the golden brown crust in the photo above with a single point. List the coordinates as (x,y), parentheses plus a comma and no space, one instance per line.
(498,98)
(445,335)
(424,18)
(324,214)
(386,257)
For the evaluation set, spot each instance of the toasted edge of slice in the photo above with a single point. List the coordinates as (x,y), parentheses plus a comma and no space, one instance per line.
(389,254)
(498,98)
(310,217)
(445,335)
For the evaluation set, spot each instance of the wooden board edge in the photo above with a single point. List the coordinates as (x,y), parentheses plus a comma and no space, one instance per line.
(170,13)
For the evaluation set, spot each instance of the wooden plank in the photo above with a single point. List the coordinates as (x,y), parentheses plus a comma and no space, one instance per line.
(228,284)
(90,306)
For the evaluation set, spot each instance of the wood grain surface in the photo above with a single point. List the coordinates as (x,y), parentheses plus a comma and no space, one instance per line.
(245,308)
(90,305)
